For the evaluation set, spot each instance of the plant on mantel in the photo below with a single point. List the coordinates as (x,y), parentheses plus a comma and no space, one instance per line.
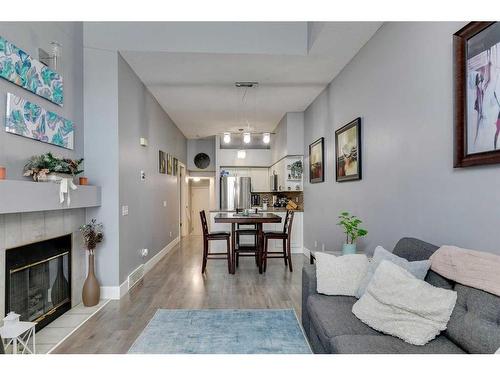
(40,166)
(350,225)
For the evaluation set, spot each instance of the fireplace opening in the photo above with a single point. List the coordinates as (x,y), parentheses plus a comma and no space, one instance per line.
(38,280)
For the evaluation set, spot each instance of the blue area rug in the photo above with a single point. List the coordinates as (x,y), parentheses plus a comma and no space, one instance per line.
(222,332)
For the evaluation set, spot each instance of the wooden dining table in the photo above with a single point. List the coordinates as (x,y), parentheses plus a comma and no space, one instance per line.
(257,219)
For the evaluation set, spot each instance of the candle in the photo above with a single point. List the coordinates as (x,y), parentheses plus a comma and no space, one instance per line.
(3,173)
(84,181)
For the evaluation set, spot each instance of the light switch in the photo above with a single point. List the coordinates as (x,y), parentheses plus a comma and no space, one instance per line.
(124,210)
(164,203)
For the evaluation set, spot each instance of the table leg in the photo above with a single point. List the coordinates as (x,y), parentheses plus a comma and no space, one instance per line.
(233,246)
(259,247)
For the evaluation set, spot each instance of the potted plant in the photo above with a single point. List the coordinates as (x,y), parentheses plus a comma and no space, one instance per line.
(48,167)
(350,225)
(92,235)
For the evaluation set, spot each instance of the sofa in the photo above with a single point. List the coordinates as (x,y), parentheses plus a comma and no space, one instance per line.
(331,327)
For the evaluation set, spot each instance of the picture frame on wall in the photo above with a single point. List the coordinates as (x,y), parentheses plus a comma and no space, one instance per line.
(348,152)
(162,162)
(317,161)
(175,166)
(476,49)
(169,164)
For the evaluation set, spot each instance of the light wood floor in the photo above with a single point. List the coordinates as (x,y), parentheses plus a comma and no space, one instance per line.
(176,282)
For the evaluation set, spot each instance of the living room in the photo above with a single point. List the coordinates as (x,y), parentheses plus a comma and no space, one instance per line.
(268,187)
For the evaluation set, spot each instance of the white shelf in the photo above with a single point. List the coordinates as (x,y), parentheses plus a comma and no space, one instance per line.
(27,196)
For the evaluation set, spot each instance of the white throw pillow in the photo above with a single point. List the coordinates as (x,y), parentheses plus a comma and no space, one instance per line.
(341,275)
(399,304)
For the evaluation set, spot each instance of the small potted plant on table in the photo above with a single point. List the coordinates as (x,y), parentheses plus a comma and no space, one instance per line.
(350,225)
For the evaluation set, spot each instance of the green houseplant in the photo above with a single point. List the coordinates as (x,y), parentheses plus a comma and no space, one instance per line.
(92,235)
(350,225)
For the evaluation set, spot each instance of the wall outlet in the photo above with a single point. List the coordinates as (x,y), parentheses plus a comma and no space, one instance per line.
(124,210)
(143,176)
(315,244)
(164,203)
(170,234)
(322,247)
(144,252)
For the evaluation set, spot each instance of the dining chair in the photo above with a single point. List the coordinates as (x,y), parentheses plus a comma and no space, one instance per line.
(286,236)
(214,236)
(246,250)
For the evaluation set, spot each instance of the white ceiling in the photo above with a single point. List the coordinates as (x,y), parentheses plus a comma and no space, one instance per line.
(197,88)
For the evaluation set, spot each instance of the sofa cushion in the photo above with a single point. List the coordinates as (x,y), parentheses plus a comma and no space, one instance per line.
(332,316)
(475,321)
(370,344)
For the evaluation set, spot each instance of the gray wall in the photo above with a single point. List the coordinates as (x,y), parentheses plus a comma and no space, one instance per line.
(401,83)
(149,224)
(195,146)
(29,36)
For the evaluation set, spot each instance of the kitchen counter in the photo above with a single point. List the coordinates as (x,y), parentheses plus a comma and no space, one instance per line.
(269,209)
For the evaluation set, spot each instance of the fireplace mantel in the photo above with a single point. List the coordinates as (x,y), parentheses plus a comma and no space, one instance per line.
(27,196)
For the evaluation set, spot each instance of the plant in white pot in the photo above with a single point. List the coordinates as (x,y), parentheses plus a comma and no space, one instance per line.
(350,225)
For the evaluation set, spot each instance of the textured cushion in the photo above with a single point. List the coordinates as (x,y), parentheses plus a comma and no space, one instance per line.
(413,249)
(332,316)
(399,304)
(340,275)
(370,344)
(418,269)
(475,321)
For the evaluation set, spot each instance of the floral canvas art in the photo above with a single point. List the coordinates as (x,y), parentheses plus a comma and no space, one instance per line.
(32,121)
(20,68)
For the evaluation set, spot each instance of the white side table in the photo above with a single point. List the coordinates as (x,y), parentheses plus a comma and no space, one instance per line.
(18,335)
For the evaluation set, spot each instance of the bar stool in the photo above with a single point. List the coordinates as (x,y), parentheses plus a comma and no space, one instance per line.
(214,236)
(286,237)
(250,250)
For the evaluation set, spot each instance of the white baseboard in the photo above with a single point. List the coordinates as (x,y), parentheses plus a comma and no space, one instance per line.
(113,292)
(297,250)
(152,262)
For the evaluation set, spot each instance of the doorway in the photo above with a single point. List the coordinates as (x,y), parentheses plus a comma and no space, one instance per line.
(200,200)
(184,213)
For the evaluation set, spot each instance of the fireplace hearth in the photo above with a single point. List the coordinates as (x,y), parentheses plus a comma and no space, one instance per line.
(38,280)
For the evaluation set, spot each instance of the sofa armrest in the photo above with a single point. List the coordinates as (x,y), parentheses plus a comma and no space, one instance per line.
(308,288)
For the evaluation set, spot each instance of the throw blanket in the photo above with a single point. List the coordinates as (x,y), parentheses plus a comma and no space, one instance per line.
(399,304)
(468,267)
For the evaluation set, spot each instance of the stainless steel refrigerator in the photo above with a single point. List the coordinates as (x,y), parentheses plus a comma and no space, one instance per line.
(235,192)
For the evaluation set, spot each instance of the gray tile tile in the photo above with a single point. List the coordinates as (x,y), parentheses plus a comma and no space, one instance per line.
(80,309)
(54,224)
(43,348)
(13,230)
(32,227)
(69,321)
(2,232)
(52,335)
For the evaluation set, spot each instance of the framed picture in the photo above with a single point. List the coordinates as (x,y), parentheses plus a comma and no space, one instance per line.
(476,50)
(176,166)
(317,161)
(348,152)
(162,162)
(169,164)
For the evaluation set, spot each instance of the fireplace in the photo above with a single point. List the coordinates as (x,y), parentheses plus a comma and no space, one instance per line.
(38,280)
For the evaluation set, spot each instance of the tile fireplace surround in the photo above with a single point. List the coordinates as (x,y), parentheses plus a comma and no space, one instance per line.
(24,228)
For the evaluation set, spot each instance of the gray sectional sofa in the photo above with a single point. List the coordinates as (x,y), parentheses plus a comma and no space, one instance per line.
(331,327)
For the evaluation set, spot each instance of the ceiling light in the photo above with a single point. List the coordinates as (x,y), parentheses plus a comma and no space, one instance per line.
(242,154)
(227,137)
(246,137)
(196,179)
(266,138)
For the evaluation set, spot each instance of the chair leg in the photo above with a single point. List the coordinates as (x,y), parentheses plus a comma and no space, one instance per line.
(205,255)
(284,252)
(228,255)
(289,254)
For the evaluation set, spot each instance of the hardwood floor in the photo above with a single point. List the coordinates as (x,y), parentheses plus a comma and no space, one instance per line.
(176,282)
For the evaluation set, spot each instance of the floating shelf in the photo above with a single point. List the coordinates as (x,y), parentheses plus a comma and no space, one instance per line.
(27,196)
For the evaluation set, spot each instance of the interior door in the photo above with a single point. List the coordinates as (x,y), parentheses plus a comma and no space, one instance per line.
(200,200)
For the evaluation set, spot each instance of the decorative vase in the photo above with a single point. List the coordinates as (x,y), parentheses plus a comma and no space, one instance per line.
(91,289)
(349,248)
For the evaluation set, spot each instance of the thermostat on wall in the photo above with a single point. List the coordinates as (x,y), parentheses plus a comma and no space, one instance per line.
(144,142)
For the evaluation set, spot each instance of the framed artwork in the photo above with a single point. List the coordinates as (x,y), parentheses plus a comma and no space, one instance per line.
(23,70)
(162,162)
(29,120)
(317,161)
(476,49)
(176,166)
(169,164)
(348,151)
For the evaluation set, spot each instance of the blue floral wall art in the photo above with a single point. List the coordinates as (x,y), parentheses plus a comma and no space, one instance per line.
(32,121)
(20,68)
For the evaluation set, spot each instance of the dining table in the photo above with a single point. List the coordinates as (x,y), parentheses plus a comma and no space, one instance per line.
(258,219)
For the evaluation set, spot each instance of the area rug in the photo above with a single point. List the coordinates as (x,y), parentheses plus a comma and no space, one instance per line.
(222,332)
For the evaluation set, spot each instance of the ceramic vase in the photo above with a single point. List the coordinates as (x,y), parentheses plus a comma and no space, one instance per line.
(349,248)
(91,289)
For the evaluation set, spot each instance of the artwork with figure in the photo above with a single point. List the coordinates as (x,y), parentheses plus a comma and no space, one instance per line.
(348,151)
(162,162)
(316,161)
(483,91)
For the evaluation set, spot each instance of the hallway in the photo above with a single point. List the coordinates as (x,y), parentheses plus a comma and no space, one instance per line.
(177,283)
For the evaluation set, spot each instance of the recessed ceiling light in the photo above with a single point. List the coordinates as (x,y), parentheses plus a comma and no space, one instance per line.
(196,179)
(242,154)
(227,137)
(266,138)
(246,137)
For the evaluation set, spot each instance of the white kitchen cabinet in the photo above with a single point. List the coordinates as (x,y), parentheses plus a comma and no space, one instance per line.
(260,179)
